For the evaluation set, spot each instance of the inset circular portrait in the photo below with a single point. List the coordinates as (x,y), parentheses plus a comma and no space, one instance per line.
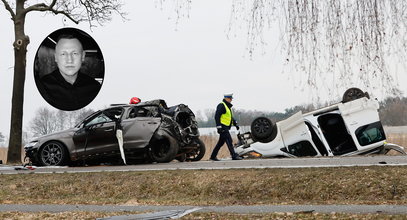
(69,69)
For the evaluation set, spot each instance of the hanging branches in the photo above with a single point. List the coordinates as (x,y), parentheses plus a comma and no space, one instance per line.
(334,43)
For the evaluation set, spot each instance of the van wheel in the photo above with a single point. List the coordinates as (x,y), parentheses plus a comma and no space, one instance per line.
(263,130)
(353,94)
(164,149)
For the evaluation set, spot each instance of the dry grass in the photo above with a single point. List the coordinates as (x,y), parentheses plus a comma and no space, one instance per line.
(199,215)
(60,215)
(346,185)
(399,139)
(210,142)
(3,154)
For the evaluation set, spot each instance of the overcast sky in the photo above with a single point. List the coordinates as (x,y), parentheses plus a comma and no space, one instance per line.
(151,57)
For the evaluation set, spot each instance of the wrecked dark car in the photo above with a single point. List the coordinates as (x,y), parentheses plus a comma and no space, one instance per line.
(150,130)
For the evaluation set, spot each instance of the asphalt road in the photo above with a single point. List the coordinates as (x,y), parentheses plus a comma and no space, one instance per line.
(226,164)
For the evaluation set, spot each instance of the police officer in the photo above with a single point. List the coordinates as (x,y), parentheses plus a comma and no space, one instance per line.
(224,120)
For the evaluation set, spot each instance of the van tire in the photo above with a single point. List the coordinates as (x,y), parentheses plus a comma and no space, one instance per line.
(263,130)
(353,94)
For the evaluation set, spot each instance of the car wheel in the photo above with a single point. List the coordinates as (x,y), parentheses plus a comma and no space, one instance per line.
(53,154)
(164,150)
(353,94)
(198,153)
(181,158)
(263,130)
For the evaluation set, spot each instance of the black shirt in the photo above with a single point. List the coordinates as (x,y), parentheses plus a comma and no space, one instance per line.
(65,96)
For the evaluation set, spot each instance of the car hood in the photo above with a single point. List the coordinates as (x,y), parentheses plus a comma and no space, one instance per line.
(58,135)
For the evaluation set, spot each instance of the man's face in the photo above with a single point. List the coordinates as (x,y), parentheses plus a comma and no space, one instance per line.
(69,56)
(228,100)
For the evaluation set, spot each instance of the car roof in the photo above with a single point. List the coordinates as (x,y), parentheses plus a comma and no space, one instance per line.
(156,102)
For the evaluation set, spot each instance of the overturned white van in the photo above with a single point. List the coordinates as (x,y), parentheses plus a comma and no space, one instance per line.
(351,127)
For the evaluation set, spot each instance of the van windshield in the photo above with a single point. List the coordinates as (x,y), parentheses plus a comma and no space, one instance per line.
(371,133)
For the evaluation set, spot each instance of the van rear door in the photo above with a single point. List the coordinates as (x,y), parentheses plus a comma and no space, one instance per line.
(362,120)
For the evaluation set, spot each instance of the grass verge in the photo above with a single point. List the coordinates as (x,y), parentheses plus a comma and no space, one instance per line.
(282,216)
(346,185)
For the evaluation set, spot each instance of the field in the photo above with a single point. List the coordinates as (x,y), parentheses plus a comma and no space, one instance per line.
(3,154)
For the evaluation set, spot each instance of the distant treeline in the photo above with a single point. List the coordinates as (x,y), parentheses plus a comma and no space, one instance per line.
(392,111)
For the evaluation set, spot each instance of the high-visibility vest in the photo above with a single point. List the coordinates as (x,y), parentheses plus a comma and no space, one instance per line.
(226,118)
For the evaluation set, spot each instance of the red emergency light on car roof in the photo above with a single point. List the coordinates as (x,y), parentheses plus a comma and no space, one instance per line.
(135,100)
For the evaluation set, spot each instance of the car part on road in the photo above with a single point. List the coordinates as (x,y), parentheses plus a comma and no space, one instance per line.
(388,147)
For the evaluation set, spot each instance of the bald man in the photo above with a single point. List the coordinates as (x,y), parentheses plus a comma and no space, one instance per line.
(67,88)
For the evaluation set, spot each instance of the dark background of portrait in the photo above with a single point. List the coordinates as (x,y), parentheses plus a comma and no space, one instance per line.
(93,65)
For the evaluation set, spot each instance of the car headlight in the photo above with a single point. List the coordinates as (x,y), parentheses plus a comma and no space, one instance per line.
(30,145)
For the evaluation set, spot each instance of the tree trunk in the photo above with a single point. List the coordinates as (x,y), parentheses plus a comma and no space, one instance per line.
(20,54)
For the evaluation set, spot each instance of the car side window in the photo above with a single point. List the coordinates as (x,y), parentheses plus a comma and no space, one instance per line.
(301,149)
(106,116)
(102,118)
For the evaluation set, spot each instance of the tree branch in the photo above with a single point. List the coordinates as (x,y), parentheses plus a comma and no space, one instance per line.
(44,7)
(39,6)
(8,8)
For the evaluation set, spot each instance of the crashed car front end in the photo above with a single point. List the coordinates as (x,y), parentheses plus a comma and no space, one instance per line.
(31,151)
(180,121)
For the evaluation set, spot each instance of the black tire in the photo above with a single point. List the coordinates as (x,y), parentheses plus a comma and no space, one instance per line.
(181,158)
(198,153)
(263,130)
(53,153)
(164,149)
(353,94)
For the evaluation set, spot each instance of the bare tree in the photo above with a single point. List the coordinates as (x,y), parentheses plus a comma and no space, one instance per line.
(77,11)
(331,43)
(2,138)
(48,121)
(44,122)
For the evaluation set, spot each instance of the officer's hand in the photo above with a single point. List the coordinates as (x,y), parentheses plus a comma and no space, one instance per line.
(237,127)
(220,129)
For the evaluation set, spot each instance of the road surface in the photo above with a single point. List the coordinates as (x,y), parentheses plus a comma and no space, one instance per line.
(226,164)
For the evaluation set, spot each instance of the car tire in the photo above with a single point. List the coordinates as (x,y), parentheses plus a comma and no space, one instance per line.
(263,130)
(181,158)
(353,94)
(164,149)
(198,153)
(53,153)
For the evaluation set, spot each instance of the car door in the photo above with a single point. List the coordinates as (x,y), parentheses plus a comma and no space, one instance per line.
(140,126)
(296,136)
(98,135)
